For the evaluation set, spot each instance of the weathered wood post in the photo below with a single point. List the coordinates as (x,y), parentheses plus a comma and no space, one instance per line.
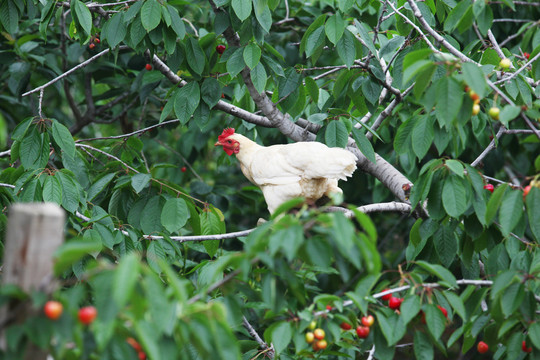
(34,232)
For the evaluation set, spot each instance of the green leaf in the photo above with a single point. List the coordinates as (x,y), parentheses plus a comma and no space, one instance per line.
(423,349)
(281,336)
(72,251)
(99,186)
(510,211)
(534,334)
(263,14)
(532,201)
(416,56)
(494,202)
(186,101)
(410,307)
(195,56)
(258,77)
(139,181)
(36,150)
(363,144)
(252,55)
(176,22)
(454,196)
(84,17)
(210,91)
(439,271)
(290,83)
(151,219)
(346,49)
(315,41)
(52,190)
(501,282)
(125,279)
(236,63)
(336,134)
(422,136)
(475,78)
(150,15)
(456,167)
(116,29)
(364,30)
(242,8)
(449,98)
(435,320)
(456,15)
(9,16)
(62,137)
(314,25)
(393,327)
(457,303)
(334,28)
(506,326)
(70,192)
(508,113)
(512,298)
(446,244)
(174,215)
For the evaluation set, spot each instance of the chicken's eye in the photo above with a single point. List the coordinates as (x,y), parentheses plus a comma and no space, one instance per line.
(229,141)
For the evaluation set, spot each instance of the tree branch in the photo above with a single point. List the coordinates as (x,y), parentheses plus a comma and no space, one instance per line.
(262,343)
(371,208)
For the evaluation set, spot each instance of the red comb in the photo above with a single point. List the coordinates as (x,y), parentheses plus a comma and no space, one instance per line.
(226,133)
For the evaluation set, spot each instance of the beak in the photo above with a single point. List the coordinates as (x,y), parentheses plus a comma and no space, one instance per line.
(218,144)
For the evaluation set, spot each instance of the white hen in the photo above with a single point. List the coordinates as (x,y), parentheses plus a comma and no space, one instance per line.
(283,172)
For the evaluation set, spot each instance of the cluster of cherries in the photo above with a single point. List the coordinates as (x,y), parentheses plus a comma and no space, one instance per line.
(87,314)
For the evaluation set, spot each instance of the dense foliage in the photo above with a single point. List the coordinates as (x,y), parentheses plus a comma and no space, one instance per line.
(112,110)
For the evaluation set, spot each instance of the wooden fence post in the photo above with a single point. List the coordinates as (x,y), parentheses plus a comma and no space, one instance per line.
(34,232)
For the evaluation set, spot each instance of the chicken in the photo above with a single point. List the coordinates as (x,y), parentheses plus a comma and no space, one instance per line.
(304,169)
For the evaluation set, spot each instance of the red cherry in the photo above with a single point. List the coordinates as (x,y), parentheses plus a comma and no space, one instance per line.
(87,314)
(445,313)
(368,320)
(148,67)
(345,326)
(131,341)
(489,187)
(97,41)
(329,307)
(526,191)
(526,55)
(321,345)
(525,348)
(319,334)
(362,332)
(387,296)
(91,46)
(183,169)
(53,309)
(482,347)
(395,303)
(220,49)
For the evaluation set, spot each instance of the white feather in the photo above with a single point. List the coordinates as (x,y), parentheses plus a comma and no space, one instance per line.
(283,172)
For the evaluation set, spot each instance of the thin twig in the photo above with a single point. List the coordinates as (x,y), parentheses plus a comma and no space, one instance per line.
(515,73)
(40,112)
(253,333)
(122,136)
(80,66)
